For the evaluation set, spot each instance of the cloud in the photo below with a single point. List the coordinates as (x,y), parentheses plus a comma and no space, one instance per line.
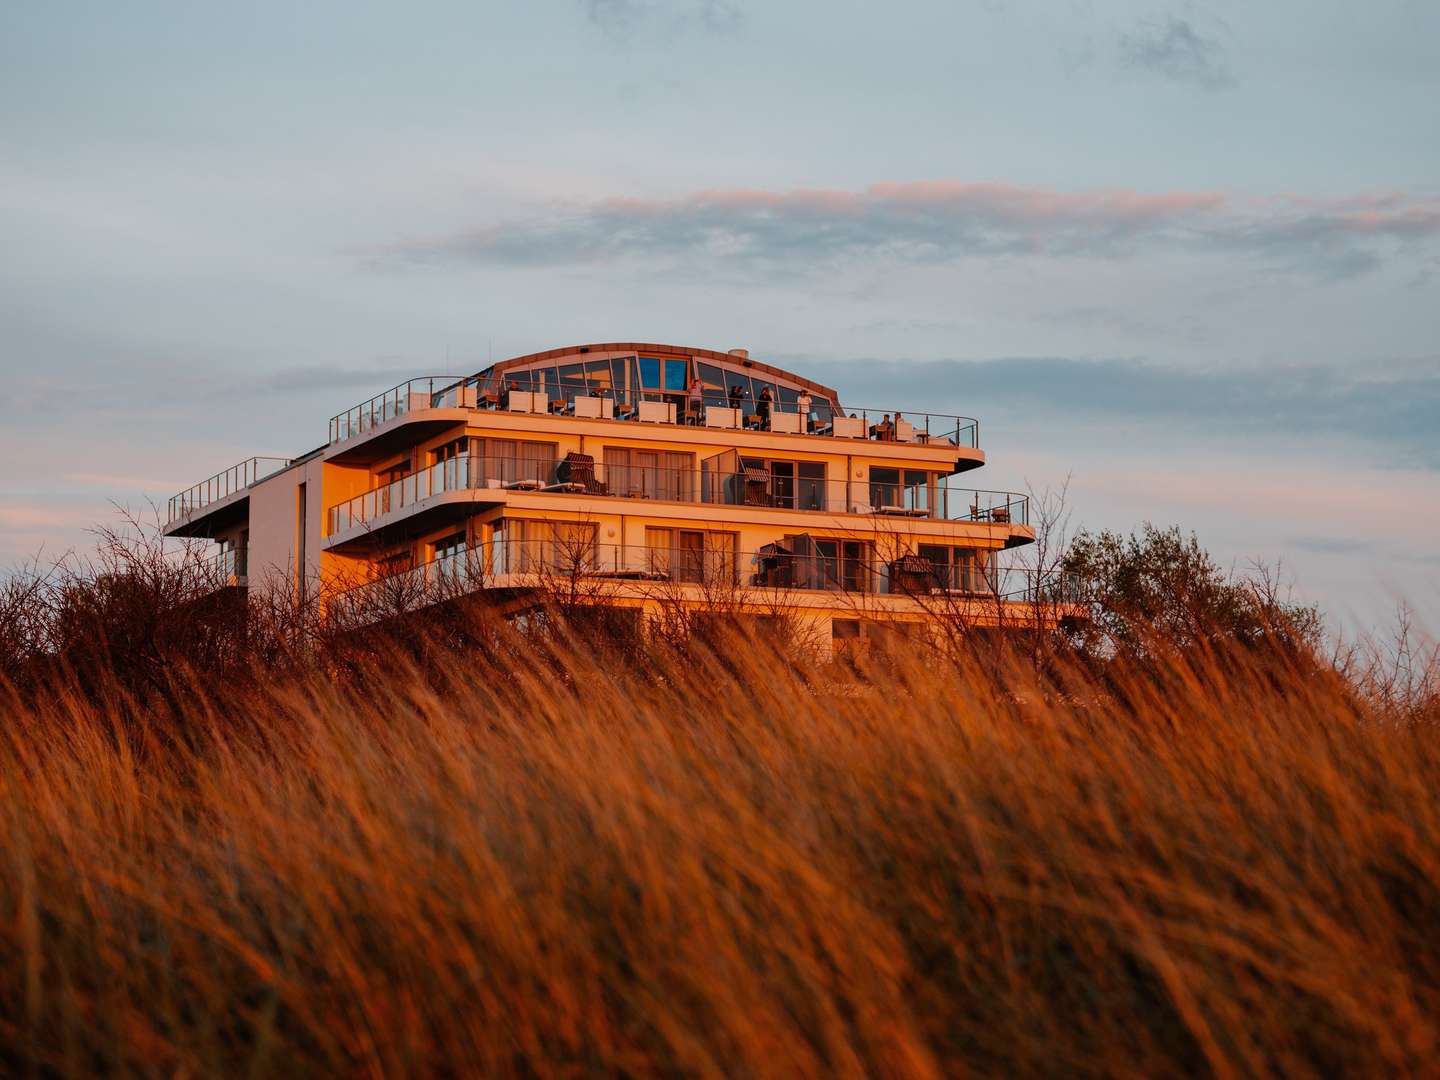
(805,231)
(624,19)
(1174,49)
(1392,409)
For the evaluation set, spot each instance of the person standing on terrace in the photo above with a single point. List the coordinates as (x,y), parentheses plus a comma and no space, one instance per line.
(736,393)
(762,407)
(697,399)
(802,406)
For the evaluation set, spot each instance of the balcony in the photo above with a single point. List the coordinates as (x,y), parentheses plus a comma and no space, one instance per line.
(225,567)
(709,484)
(220,488)
(587,401)
(589,571)
(413,395)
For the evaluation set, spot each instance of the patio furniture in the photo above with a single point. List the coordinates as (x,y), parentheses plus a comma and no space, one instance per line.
(912,574)
(786,423)
(577,468)
(757,486)
(721,416)
(657,412)
(595,408)
(848,427)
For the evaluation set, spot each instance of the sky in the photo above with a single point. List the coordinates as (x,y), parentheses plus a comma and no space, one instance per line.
(1181,256)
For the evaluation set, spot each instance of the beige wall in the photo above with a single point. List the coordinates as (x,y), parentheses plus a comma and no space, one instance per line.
(275,527)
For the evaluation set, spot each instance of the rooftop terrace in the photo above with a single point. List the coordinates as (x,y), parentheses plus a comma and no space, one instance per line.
(787,413)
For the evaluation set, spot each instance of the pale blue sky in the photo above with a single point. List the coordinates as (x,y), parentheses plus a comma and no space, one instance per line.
(1186,252)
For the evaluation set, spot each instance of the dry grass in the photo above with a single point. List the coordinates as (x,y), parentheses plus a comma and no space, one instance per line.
(1228,865)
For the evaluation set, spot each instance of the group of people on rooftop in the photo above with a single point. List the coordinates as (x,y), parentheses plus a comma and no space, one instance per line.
(694,411)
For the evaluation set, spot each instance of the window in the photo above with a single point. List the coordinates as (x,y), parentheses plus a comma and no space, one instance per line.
(794,485)
(450,555)
(449,546)
(572,381)
(666,375)
(909,488)
(450,450)
(390,481)
(845,629)
(959,569)
(713,381)
(622,372)
(508,460)
(553,546)
(844,564)
(650,474)
(782,484)
(599,376)
(450,471)
(692,555)
(810,485)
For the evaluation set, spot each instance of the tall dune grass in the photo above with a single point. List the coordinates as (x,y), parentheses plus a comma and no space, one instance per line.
(560,862)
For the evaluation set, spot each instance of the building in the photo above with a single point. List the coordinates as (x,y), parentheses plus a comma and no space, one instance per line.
(646,477)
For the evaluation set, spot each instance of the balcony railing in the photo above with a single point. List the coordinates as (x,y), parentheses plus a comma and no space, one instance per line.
(599,402)
(222,484)
(225,565)
(812,565)
(752,487)
(425,392)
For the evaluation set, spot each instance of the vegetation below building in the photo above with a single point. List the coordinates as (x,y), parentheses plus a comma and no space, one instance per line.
(1184,839)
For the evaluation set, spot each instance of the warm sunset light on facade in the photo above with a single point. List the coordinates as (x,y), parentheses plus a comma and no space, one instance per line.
(650,473)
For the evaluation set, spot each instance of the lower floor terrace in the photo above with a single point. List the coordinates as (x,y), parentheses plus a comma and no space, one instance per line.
(728,479)
(839,576)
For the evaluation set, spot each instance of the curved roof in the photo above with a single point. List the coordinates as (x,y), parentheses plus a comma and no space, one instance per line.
(709,355)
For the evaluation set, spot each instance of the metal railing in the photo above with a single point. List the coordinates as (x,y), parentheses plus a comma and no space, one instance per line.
(522,393)
(424,392)
(222,484)
(823,566)
(759,488)
(225,565)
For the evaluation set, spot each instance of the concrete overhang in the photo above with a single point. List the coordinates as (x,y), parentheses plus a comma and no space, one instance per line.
(213,518)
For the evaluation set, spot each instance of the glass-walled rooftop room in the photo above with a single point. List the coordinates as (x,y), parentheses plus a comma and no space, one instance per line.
(661,378)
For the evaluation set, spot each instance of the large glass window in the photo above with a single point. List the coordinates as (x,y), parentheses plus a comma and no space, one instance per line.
(713,380)
(509,460)
(692,555)
(547,546)
(650,372)
(958,569)
(747,394)
(782,483)
(650,474)
(676,372)
(598,375)
(909,489)
(844,564)
(810,486)
(793,485)
(884,486)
